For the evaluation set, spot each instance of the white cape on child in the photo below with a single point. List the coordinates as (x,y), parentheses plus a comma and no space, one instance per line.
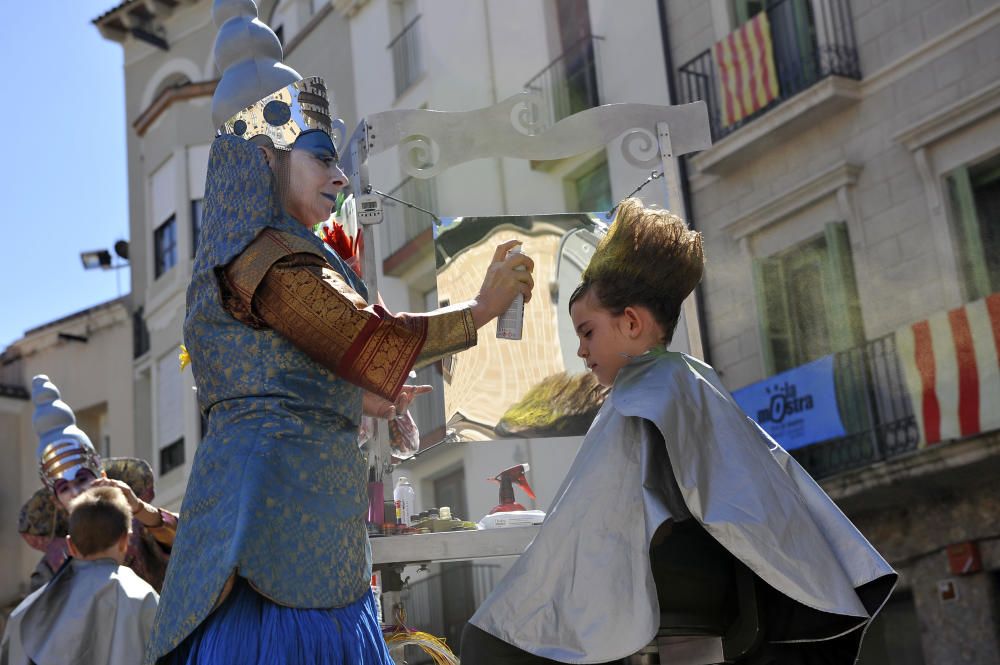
(583,592)
(91,613)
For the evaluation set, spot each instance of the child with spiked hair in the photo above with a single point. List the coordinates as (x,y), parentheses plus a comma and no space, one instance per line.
(675,498)
(95,610)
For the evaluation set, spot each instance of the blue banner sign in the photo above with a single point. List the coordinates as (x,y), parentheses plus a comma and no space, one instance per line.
(796,407)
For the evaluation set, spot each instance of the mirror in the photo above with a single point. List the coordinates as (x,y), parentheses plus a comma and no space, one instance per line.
(536,386)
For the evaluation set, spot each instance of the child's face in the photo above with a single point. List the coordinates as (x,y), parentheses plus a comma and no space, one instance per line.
(602,341)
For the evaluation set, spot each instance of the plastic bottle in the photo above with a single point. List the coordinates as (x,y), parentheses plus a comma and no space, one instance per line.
(511,323)
(405,498)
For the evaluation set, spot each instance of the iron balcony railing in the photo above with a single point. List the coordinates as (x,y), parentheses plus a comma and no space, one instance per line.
(569,84)
(407,63)
(811,40)
(404,223)
(875,408)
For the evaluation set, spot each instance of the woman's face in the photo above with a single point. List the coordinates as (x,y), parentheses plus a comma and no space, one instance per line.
(67,490)
(314,178)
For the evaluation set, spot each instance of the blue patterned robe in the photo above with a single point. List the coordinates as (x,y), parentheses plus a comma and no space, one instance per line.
(277,488)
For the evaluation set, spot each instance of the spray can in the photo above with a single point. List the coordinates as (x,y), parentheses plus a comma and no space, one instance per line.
(405,498)
(511,322)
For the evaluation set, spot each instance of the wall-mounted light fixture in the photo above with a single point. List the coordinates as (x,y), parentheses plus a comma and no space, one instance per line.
(101,258)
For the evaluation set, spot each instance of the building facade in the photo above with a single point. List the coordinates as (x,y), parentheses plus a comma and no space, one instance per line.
(850,212)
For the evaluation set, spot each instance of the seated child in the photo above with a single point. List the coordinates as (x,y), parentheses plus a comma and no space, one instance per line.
(670,457)
(94,611)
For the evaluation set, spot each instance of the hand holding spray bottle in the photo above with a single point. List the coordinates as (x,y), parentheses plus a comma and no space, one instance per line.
(510,324)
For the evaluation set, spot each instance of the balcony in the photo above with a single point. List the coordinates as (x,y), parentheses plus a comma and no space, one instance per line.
(812,43)
(876,409)
(569,84)
(407,64)
(406,230)
(924,386)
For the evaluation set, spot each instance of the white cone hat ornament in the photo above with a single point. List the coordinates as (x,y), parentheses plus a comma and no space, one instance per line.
(63,448)
(258,96)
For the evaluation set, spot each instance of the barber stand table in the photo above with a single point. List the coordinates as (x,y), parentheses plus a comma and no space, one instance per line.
(391,553)
(450,546)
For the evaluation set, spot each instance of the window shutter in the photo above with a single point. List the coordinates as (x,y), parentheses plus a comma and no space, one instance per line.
(972,257)
(843,309)
(772,314)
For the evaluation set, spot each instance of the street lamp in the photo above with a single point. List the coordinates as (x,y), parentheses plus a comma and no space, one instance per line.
(101,258)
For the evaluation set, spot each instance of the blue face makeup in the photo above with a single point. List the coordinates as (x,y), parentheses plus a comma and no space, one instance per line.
(319,144)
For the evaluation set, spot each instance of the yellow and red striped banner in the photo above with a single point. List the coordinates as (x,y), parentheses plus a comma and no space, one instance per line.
(951,365)
(747,78)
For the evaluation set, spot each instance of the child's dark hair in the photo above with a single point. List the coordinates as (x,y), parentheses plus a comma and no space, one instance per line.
(98,518)
(649,257)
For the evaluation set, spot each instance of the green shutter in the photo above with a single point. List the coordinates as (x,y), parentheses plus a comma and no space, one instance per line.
(772,314)
(840,290)
(970,242)
(846,330)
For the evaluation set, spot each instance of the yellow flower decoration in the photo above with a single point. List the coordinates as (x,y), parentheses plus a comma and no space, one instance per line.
(184,357)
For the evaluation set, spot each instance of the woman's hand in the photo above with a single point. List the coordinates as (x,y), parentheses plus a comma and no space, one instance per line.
(134,504)
(379,407)
(146,514)
(503,281)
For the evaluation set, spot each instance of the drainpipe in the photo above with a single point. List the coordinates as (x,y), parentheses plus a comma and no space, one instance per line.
(668,61)
(494,98)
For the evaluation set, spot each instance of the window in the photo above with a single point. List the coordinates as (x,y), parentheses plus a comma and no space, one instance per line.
(196,211)
(169,412)
(405,46)
(793,37)
(974,192)
(165,246)
(172,456)
(593,189)
(807,301)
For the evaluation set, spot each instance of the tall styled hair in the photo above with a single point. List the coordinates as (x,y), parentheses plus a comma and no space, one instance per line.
(98,518)
(649,257)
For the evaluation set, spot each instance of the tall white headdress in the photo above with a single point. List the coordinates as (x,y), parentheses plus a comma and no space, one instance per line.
(63,448)
(258,95)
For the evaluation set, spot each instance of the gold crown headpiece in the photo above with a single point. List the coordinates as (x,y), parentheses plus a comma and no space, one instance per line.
(284,114)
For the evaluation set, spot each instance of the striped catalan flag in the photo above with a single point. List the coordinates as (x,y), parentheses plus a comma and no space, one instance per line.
(747,78)
(951,366)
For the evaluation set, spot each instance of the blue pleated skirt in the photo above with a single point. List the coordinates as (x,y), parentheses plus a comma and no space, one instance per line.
(248,628)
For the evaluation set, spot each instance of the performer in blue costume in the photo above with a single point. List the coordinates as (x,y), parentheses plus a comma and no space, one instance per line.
(674,488)
(271,563)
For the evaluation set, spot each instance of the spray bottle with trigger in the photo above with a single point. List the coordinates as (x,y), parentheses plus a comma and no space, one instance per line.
(509,512)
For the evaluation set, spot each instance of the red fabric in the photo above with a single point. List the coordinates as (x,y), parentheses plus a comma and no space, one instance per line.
(968,373)
(993,308)
(924,357)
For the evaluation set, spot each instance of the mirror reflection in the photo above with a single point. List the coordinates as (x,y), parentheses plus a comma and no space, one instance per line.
(535,386)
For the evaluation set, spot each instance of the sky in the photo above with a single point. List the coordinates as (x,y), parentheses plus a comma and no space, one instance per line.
(63,178)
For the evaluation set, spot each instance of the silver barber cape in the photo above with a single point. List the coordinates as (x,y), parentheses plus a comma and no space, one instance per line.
(583,591)
(90,613)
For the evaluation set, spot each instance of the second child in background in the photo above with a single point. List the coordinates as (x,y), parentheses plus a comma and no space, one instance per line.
(95,611)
